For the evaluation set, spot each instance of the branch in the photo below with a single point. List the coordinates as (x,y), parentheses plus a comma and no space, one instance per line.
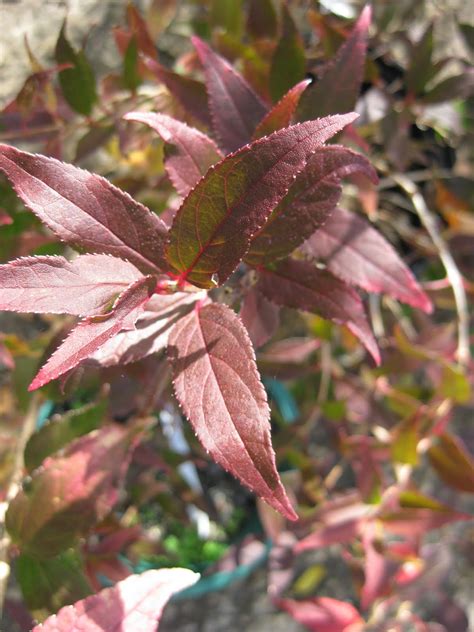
(12,490)
(452,271)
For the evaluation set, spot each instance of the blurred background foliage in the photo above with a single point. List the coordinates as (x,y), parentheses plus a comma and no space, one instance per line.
(379,460)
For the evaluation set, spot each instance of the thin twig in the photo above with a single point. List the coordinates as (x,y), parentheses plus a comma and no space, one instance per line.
(452,271)
(12,490)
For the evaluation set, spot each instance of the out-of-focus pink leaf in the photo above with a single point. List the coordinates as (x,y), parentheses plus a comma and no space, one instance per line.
(217,384)
(260,317)
(85,286)
(379,569)
(5,219)
(6,358)
(70,493)
(323,614)
(310,200)
(417,514)
(84,209)
(134,604)
(293,350)
(93,332)
(359,254)
(191,152)
(338,87)
(235,108)
(300,285)
(151,330)
(212,229)
(453,463)
(190,93)
(282,112)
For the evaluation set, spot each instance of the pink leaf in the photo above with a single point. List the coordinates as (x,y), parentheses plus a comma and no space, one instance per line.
(260,317)
(71,491)
(93,332)
(213,227)
(300,285)
(359,254)
(282,112)
(339,86)
(85,286)
(308,203)
(323,614)
(151,331)
(217,384)
(339,520)
(192,152)
(133,605)
(84,209)
(235,108)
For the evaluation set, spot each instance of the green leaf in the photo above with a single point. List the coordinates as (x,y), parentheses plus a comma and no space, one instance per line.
(130,75)
(421,68)
(227,15)
(262,19)
(78,82)
(455,384)
(288,63)
(48,585)
(405,441)
(452,462)
(60,431)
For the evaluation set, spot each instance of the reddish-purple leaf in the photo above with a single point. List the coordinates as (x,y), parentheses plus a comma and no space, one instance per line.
(282,112)
(151,331)
(218,386)
(85,286)
(235,108)
(323,614)
(84,209)
(359,254)
(260,317)
(339,86)
(308,203)
(301,285)
(190,93)
(212,229)
(190,154)
(71,491)
(93,332)
(133,605)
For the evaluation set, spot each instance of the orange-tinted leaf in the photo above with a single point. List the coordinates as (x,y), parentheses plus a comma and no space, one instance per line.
(281,114)
(70,493)
(452,462)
